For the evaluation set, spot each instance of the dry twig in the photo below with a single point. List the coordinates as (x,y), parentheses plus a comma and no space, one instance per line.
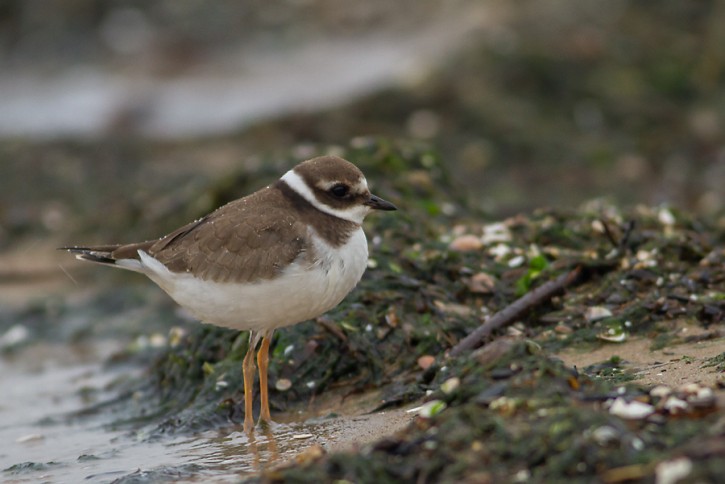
(509,314)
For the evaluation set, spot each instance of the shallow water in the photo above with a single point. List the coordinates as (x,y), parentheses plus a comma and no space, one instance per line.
(43,437)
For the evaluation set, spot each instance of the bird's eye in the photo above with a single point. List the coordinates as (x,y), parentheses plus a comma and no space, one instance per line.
(339,190)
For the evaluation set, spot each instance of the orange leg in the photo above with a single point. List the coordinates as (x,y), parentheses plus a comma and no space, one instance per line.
(248,370)
(263,362)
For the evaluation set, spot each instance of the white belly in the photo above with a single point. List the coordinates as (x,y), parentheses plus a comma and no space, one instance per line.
(302,292)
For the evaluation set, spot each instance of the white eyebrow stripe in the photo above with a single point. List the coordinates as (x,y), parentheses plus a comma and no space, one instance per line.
(360,187)
(355,214)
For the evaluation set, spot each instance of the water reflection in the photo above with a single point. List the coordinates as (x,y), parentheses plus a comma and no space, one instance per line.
(232,451)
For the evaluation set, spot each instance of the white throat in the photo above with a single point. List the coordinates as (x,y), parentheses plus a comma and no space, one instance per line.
(354,214)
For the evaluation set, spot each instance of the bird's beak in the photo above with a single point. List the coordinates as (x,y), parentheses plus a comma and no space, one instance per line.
(377,203)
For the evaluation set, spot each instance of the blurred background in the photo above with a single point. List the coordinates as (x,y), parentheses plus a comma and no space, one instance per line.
(114,116)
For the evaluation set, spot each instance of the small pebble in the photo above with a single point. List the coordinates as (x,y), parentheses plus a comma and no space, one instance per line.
(613,336)
(673,471)
(595,313)
(450,385)
(633,410)
(675,406)
(660,391)
(426,361)
(481,283)
(466,243)
(283,384)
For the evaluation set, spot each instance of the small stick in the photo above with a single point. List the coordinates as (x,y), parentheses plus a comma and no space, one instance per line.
(624,240)
(332,328)
(609,234)
(627,234)
(508,314)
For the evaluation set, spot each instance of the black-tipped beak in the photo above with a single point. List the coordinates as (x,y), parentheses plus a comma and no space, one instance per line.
(377,203)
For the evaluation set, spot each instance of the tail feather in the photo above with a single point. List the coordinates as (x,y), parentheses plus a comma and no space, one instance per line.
(99,254)
(123,256)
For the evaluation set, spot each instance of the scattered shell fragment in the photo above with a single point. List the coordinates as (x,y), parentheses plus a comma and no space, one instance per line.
(481,283)
(634,410)
(666,217)
(673,471)
(517,261)
(496,232)
(465,243)
(283,384)
(598,226)
(157,340)
(450,385)
(176,335)
(613,335)
(499,251)
(432,408)
(704,395)
(660,391)
(514,332)
(453,308)
(596,313)
(426,361)
(675,406)
(605,435)
(698,395)
(504,405)
(646,258)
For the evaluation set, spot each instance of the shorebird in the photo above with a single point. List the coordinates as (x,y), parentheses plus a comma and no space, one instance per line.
(282,255)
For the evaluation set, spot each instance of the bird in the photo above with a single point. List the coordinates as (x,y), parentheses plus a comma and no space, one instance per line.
(284,254)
